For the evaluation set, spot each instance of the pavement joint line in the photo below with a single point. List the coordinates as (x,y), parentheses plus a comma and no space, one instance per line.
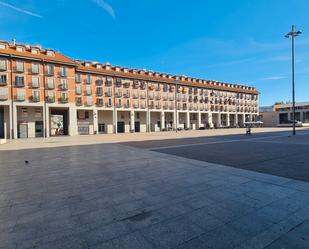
(221,142)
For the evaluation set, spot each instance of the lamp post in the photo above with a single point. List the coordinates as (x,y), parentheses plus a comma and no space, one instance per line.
(293,33)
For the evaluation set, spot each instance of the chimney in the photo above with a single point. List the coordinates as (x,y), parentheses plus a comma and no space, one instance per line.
(14,41)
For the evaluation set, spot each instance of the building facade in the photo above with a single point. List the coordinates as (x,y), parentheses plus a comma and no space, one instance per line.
(45,93)
(282,114)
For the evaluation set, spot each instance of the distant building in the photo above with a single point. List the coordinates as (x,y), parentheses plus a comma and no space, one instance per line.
(281,114)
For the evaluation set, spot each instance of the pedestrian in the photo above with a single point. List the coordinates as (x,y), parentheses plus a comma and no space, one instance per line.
(248,129)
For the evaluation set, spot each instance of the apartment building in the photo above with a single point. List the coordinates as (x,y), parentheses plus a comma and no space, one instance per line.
(45,93)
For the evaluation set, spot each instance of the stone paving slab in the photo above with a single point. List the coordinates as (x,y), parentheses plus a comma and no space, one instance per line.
(114,196)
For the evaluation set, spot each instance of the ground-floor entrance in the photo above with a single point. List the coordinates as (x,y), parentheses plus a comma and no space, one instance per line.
(59,122)
(137,126)
(120,126)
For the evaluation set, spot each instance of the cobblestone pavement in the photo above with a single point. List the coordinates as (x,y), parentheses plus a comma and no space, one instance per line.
(116,196)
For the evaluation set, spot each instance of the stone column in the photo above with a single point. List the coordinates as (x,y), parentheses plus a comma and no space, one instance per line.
(188,120)
(174,120)
(115,120)
(15,126)
(95,122)
(148,121)
(228,120)
(72,121)
(219,120)
(162,120)
(46,121)
(199,120)
(211,125)
(132,121)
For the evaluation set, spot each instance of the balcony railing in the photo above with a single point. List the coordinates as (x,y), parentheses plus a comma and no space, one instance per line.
(35,98)
(64,100)
(50,99)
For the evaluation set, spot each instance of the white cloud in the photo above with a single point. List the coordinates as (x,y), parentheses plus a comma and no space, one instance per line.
(107,7)
(274,78)
(27,12)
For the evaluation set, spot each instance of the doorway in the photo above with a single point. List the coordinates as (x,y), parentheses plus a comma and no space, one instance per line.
(38,128)
(22,130)
(59,122)
(120,127)
(137,126)
(2,123)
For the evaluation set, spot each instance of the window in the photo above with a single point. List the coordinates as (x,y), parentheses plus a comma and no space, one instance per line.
(127,93)
(88,90)
(21,94)
(35,81)
(20,49)
(64,84)
(50,53)
(2,45)
(63,71)
(109,92)
(78,78)
(19,66)
(118,83)
(86,115)
(35,68)
(19,80)
(50,69)
(119,92)
(34,51)
(64,97)
(78,89)
(89,101)
(88,79)
(50,83)
(128,103)
(3,64)
(109,102)
(36,96)
(3,79)
(101,128)
(99,91)
(4,94)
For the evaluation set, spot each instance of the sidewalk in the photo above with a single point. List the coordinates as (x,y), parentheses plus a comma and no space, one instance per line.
(32,143)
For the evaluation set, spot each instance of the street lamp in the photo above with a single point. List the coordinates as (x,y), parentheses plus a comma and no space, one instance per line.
(293,33)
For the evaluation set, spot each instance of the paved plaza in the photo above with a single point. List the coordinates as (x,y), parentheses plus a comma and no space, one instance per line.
(174,193)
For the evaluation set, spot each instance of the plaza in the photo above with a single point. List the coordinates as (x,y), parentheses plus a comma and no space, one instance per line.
(150,192)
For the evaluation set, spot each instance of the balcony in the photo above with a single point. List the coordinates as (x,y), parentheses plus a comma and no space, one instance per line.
(135,105)
(89,102)
(35,98)
(64,99)
(3,80)
(135,95)
(109,94)
(4,95)
(78,101)
(100,102)
(50,99)
(118,95)
(50,85)
(126,95)
(127,84)
(99,82)
(3,67)
(21,96)
(63,87)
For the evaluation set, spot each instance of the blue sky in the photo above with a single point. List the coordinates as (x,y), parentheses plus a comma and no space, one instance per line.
(228,40)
